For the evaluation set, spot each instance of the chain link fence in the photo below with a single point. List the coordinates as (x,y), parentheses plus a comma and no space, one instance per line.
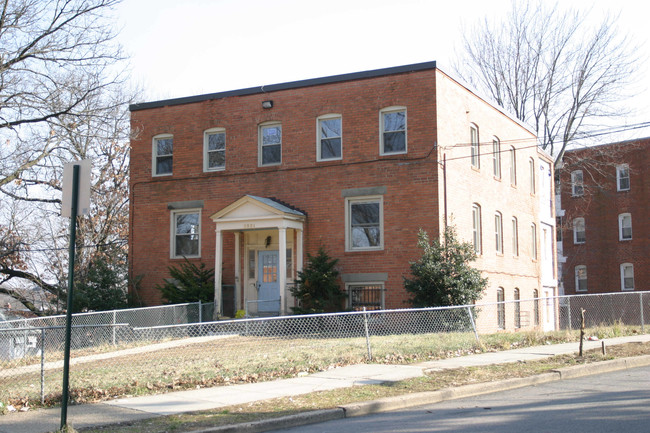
(149,350)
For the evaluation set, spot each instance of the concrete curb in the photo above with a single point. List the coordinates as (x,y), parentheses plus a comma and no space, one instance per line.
(304,418)
(430,397)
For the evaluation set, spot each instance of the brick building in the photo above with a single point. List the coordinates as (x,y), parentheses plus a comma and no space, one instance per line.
(255,179)
(604,241)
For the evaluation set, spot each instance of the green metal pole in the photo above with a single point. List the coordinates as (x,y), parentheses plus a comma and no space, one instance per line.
(68,321)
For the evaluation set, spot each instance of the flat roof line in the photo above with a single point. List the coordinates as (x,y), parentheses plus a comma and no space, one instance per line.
(285,86)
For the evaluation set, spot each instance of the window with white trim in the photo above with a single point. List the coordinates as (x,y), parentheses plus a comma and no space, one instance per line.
(625,227)
(515,237)
(627,276)
(496,157)
(533,174)
(513,166)
(533,241)
(475,146)
(364,223)
(622,177)
(476,228)
(365,295)
(581,278)
(270,143)
(185,230)
(577,183)
(329,135)
(501,308)
(163,154)
(517,298)
(214,149)
(392,124)
(498,232)
(536,314)
(579,233)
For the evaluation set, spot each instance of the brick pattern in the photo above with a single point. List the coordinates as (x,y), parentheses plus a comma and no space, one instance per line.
(438,118)
(603,252)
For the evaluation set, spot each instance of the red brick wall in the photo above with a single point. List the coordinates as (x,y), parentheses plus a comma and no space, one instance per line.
(603,252)
(410,201)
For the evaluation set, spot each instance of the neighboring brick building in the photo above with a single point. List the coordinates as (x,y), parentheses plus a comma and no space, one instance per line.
(605,236)
(354,163)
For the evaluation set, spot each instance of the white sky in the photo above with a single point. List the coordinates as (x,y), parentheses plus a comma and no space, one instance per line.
(189,47)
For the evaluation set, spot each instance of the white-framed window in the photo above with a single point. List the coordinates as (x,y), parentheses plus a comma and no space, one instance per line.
(533,174)
(625,227)
(533,241)
(579,233)
(622,177)
(513,166)
(581,278)
(496,157)
(163,154)
(270,143)
(392,134)
(577,183)
(365,295)
(517,299)
(536,315)
(329,135)
(498,232)
(515,237)
(186,233)
(475,146)
(501,308)
(214,149)
(476,228)
(364,223)
(627,276)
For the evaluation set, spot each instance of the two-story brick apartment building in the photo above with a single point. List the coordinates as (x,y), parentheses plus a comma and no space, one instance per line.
(605,237)
(254,179)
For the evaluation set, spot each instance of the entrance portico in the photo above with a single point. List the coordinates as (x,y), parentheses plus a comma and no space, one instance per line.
(272,232)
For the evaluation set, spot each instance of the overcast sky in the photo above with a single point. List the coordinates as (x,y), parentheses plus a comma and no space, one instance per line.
(190,47)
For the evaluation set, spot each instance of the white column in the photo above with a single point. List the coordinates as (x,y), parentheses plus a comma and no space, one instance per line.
(299,249)
(218,251)
(237,273)
(282,272)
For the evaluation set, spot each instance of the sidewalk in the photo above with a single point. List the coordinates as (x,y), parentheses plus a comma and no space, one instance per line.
(137,408)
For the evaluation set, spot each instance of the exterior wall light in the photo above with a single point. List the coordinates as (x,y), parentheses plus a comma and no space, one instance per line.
(267,104)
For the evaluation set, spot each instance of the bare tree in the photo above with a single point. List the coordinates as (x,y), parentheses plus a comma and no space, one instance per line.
(553,70)
(62,98)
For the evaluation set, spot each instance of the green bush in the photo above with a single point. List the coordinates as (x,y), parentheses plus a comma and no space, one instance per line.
(317,288)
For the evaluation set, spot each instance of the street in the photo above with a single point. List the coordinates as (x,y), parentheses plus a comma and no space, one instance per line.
(612,402)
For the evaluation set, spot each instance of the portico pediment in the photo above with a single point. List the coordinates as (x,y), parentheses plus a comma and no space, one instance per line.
(252,212)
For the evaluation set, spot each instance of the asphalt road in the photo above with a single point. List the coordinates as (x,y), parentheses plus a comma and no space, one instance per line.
(612,402)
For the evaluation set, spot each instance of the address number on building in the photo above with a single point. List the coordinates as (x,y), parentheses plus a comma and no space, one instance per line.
(249,226)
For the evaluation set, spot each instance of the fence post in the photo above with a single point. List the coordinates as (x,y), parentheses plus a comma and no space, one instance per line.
(471,318)
(200,312)
(568,305)
(43,366)
(641,307)
(365,323)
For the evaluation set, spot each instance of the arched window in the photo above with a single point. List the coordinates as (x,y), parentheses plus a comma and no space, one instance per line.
(625,227)
(517,309)
(627,276)
(476,227)
(501,308)
(475,146)
(579,234)
(581,278)
(496,157)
